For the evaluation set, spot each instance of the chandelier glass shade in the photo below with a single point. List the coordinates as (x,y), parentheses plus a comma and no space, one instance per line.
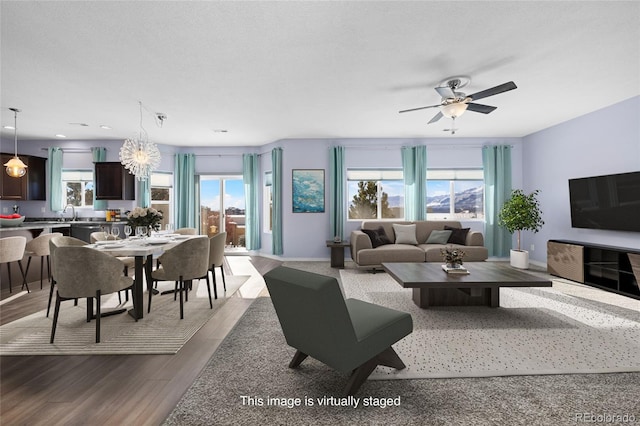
(139,155)
(15,167)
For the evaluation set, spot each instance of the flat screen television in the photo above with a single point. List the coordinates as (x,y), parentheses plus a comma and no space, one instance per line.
(606,202)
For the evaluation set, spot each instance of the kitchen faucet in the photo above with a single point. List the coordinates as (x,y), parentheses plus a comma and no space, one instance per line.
(73,211)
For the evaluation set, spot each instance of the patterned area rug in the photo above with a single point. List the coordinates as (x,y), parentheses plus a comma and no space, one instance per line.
(534,331)
(160,332)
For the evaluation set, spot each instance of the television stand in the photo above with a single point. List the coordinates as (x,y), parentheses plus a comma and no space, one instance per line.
(597,265)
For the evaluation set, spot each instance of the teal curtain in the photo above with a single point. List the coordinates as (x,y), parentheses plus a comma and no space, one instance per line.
(496,162)
(99,154)
(337,191)
(185,190)
(250,178)
(54,174)
(276,227)
(144,192)
(414,169)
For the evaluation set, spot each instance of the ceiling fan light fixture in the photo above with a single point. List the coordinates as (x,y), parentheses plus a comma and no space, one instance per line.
(15,167)
(454,109)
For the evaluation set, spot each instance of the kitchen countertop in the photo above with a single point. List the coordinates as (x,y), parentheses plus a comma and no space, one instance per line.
(56,224)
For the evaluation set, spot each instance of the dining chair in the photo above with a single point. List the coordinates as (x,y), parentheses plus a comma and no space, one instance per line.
(54,243)
(186,231)
(12,250)
(99,275)
(216,259)
(39,247)
(128,262)
(183,263)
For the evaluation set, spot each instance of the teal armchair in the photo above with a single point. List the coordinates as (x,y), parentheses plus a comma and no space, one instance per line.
(349,335)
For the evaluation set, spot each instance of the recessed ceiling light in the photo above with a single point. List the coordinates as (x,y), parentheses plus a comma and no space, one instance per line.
(105,127)
(59,135)
(8,127)
(220,130)
(79,124)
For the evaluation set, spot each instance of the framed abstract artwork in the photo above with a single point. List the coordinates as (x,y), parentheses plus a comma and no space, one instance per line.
(308,190)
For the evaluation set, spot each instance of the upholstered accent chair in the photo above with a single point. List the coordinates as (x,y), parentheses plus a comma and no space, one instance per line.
(39,247)
(99,274)
(186,231)
(54,243)
(349,335)
(12,250)
(216,259)
(183,263)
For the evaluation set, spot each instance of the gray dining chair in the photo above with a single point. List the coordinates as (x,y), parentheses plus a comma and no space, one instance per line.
(39,247)
(183,263)
(216,259)
(54,243)
(100,274)
(349,335)
(12,250)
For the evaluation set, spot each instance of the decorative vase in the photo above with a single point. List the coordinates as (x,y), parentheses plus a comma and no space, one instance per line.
(519,259)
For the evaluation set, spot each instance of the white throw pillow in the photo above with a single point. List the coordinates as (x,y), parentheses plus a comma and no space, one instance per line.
(405,234)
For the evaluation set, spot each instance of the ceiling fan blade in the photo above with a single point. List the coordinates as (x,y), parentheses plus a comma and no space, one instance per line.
(416,109)
(436,117)
(494,91)
(485,109)
(445,92)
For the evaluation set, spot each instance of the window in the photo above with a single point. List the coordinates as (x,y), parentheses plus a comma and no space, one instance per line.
(161,185)
(375,194)
(267,203)
(455,194)
(77,187)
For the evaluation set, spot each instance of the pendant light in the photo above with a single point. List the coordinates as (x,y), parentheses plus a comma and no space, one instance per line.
(139,155)
(15,167)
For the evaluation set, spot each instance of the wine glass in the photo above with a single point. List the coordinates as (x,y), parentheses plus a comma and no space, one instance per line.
(115,232)
(169,227)
(141,231)
(127,230)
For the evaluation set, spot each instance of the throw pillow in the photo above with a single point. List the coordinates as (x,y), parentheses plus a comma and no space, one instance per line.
(377,236)
(405,234)
(439,237)
(458,235)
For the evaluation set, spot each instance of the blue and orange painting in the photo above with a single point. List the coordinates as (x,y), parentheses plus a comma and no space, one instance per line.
(308,191)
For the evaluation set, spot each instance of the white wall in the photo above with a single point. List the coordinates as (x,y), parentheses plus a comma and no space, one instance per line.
(602,142)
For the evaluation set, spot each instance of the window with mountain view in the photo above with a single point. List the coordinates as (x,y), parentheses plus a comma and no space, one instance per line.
(456,194)
(375,194)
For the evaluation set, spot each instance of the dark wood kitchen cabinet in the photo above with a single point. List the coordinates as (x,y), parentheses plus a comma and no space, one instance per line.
(114,182)
(31,186)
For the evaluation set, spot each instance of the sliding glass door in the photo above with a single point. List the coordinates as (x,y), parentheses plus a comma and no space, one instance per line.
(222,207)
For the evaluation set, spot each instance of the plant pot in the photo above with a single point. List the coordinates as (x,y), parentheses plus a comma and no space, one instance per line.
(520,259)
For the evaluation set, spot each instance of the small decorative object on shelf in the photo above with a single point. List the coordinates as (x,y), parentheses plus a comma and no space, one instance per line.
(455,270)
(148,217)
(452,256)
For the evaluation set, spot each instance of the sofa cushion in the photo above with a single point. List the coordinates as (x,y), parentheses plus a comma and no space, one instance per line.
(439,237)
(390,253)
(377,236)
(405,234)
(458,235)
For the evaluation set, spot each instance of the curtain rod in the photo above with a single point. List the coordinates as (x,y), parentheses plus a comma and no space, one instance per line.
(386,147)
(72,150)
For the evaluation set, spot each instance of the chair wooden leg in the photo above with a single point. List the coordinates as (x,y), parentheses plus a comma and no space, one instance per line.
(98,316)
(53,284)
(388,357)
(209,291)
(9,272)
(297,359)
(41,270)
(224,283)
(48,268)
(215,284)
(150,290)
(181,289)
(56,311)
(24,276)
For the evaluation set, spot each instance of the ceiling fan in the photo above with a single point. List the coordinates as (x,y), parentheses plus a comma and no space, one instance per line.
(455,103)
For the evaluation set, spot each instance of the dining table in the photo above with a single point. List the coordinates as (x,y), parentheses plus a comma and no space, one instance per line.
(142,250)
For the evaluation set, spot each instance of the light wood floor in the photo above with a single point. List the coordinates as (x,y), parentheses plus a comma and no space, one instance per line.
(109,389)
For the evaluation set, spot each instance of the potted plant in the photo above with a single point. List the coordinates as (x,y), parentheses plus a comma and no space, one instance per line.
(519,213)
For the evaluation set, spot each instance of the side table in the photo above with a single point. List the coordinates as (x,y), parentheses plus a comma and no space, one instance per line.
(337,252)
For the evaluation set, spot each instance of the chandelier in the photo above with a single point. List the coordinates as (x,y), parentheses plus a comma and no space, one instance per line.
(15,167)
(139,155)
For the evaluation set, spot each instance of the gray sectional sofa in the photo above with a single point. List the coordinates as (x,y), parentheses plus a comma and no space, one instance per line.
(369,249)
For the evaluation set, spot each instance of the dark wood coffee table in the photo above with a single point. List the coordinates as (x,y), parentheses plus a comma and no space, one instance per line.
(434,287)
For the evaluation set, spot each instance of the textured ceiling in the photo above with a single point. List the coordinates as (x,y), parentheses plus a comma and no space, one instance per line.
(265,71)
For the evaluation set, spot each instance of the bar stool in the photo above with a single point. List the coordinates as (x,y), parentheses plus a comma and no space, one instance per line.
(12,250)
(39,247)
